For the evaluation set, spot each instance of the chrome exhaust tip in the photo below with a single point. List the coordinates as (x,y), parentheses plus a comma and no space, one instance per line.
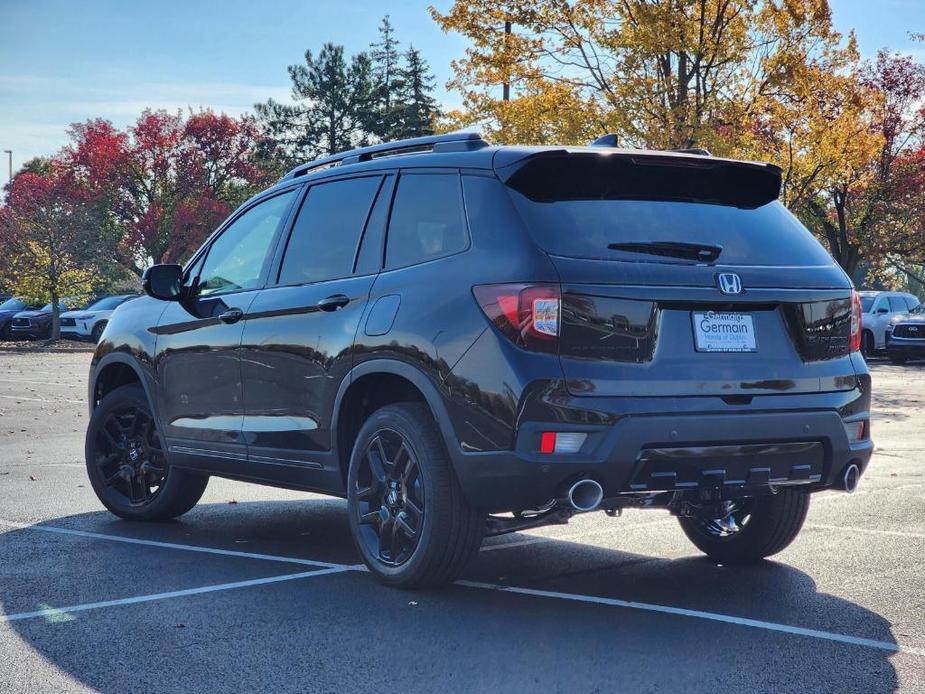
(585,495)
(852,478)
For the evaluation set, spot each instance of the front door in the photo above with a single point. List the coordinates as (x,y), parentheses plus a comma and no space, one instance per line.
(197,360)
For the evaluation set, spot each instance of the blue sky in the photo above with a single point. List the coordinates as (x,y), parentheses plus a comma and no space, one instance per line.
(63,61)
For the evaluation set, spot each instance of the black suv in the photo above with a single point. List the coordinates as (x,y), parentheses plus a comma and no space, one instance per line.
(465,340)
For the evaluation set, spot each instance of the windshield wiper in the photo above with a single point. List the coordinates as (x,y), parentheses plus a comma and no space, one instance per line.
(699,252)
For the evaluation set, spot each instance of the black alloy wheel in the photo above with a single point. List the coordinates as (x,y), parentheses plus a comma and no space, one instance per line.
(129,455)
(127,464)
(391,505)
(408,516)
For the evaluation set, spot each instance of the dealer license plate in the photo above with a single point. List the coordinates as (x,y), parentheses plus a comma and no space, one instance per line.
(724,332)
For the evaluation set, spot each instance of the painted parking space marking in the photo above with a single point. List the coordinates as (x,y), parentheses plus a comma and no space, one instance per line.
(50,402)
(700,614)
(170,545)
(44,383)
(867,531)
(55,613)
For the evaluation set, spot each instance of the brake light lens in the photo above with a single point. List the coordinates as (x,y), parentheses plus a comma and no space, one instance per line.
(527,314)
(854,344)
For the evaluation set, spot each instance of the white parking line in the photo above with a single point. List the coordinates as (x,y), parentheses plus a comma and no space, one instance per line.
(341,568)
(56,611)
(867,531)
(170,545)
(51,402)
(44,383)
(699,614)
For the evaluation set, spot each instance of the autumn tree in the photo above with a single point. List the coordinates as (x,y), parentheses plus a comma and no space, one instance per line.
(332,109)
(658,74)
(48,234)
(164,184)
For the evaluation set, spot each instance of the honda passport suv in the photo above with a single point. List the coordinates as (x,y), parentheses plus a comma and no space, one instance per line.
(465,340)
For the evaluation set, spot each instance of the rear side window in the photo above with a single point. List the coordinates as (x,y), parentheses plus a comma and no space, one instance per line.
(326,232)
(427,220)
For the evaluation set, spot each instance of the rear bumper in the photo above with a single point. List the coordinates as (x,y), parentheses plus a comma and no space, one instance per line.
(672,450)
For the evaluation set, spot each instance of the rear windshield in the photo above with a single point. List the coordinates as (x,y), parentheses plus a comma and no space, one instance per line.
(767,235)
(581,205)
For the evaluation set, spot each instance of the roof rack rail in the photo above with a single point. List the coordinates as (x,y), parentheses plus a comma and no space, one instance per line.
(448,142)
(692,150)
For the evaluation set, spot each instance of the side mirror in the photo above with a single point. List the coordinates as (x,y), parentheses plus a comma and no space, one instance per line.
(883,310)
(164,282)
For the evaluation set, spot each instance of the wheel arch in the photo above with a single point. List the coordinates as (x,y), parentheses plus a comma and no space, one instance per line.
(116,370)
(374,384)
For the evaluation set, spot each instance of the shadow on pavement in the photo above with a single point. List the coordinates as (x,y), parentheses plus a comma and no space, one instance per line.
(345,632)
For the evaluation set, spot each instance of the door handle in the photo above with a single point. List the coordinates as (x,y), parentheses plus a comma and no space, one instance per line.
(333,302)
(232,315)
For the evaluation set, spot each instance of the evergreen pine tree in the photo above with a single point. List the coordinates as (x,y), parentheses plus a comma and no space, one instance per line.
(333,101)
(385,56)
(418,106)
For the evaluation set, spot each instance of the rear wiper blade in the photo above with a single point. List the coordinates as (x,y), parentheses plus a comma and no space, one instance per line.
(672,249)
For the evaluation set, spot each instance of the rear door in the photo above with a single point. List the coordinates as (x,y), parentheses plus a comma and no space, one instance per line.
(680,279)
(299,333)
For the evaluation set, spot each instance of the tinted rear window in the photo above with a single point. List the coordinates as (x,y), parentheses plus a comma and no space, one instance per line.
(767,235)
(427,220)
(867,303)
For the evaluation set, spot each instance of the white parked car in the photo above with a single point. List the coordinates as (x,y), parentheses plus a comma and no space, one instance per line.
(90,322)
(877,310)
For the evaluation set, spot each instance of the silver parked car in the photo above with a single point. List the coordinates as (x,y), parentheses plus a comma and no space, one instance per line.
(877,310)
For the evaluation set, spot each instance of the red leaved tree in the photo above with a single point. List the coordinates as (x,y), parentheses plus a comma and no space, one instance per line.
(167,182)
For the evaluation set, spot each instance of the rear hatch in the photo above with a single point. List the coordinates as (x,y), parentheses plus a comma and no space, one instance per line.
(683,276)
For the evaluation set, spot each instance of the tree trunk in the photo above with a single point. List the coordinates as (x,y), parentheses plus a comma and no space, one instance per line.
(55,316)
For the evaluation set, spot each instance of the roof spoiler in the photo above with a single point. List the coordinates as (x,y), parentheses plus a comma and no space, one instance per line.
(556,175)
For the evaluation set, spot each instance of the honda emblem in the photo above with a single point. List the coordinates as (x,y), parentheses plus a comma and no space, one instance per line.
(729,283)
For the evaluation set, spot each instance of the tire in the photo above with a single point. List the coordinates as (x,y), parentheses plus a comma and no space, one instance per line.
(409,519)
(773,522)
(123,469)
(97,331)
(867,344)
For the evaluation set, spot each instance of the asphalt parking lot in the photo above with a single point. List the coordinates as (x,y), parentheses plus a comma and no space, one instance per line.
(259,588)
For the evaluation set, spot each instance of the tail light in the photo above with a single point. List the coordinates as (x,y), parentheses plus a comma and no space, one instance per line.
(527,314)
(855,343)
